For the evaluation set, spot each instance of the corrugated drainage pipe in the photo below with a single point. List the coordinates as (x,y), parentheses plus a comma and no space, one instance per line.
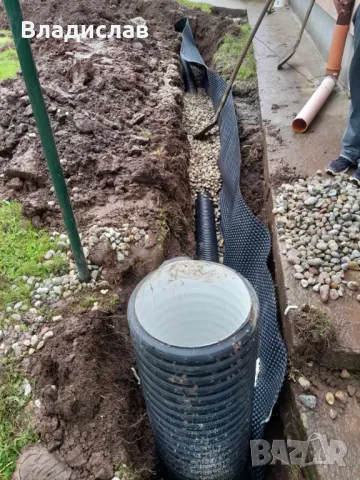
(194,328)
(206,240)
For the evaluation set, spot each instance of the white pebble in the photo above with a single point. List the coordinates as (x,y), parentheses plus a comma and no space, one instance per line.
(48,334)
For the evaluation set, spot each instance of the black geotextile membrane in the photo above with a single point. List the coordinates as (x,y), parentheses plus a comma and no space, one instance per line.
(247,241)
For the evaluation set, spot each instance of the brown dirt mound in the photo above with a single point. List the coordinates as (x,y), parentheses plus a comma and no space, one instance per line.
(91,407)
(159,14)
(315,334)
(116,111)
(118,134)
(246,100)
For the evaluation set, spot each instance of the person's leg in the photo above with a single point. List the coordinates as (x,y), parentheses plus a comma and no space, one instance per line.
(350,144)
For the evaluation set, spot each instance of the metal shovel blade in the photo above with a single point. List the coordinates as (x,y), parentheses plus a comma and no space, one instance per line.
(289,54)
(285,58)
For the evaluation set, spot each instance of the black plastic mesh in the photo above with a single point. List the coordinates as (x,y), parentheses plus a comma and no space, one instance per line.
(247,243)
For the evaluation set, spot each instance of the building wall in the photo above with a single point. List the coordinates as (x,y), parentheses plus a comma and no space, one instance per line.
(321,26)
(329,7)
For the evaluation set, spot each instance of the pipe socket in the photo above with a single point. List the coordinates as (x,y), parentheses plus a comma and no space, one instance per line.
(333,67)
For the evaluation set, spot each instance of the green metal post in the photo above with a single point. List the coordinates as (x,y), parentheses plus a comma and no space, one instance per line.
(30,74)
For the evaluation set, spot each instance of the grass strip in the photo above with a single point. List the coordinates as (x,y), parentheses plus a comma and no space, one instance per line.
(229,52)
(204,7)
(15,423)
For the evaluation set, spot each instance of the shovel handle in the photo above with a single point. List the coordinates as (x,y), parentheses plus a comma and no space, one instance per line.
(203,132)
(306,19)
(241,59)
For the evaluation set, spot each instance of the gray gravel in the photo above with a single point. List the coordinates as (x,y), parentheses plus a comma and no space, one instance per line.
(45,292)
(308,400)
(318,221)
(204,172)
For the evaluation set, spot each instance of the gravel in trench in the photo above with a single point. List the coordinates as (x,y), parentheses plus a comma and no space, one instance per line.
(203,169)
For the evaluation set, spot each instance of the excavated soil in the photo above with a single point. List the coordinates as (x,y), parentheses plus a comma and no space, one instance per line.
(92,410)
(116,111)
(117,132)
(116,114)
(246,98)
(315,335)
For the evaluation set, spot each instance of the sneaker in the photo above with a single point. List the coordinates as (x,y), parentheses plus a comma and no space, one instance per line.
(356,177)
(339,165)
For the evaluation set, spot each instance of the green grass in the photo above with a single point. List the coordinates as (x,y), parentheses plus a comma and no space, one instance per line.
(9,63)
(124,472)
(5,38)
(321,322)
(22,250)
(204,7)
(15,424)
(146,134)
(88,302)
(229,52)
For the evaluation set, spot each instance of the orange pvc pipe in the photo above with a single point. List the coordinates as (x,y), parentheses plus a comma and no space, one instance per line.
(311,109)
(309,112)
(342,28)
(333,67)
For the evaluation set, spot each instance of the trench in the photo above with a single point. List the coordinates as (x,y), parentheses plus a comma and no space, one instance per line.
(205,175)
(252,184)
(203,159)
(103,338)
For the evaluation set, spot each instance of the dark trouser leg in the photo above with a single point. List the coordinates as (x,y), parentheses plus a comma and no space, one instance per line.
(350,145)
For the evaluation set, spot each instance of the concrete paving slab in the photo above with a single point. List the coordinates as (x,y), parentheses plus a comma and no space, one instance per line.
(282,95)
(304,424)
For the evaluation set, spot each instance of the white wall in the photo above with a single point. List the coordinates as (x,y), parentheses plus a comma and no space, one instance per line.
(329,7)
(321,27)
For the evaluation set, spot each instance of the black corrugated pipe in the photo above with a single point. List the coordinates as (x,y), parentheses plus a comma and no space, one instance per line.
(194,328)
(188,77)
(206,241)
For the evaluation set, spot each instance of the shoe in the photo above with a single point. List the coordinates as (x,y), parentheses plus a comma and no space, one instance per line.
(339,165)
(356,177)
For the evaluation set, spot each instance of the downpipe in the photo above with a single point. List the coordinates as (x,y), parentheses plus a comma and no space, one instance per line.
(338,43)
(303,120)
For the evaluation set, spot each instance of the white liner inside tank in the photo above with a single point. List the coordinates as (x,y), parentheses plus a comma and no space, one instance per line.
(191,303)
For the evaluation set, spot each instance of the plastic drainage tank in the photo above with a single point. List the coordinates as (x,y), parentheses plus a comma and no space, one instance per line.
(194,328)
